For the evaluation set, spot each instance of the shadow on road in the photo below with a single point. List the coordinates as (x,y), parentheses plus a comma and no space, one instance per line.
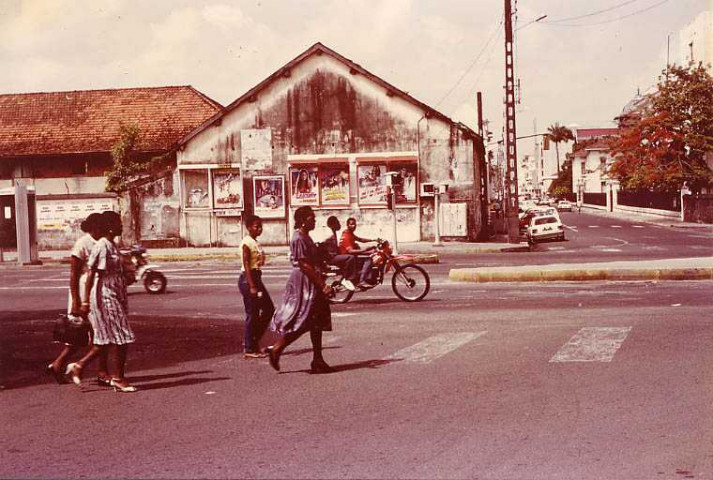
(366,364)
(26,346)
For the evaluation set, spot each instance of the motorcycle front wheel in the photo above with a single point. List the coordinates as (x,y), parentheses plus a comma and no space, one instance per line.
(155,282)
(410,283)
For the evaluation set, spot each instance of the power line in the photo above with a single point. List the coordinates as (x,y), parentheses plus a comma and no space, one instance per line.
(470,67)
(638,12)
(593,13)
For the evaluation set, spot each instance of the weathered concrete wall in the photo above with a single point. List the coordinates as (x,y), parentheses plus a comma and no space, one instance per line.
(321,107)
(154,212)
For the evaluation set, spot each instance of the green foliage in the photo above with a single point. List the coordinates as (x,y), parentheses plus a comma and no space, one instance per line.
(128,163)
(563,183)
(665,142)
(557,134)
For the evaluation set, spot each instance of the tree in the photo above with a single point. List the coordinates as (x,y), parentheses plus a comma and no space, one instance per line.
(557,134)
(562,185)
(665,143)
(128,163)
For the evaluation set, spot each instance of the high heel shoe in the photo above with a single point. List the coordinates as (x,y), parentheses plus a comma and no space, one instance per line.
(121,388)
(321,367)
(274,358)
(74,372)
(55,374)
(104,381)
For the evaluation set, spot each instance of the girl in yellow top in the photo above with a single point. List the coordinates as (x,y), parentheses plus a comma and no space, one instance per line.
(258,304)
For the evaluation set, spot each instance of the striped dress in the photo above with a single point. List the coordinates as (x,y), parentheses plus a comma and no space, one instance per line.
(108,312)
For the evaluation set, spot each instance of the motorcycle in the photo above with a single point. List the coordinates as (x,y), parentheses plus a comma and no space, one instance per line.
(137,267)
(409,282)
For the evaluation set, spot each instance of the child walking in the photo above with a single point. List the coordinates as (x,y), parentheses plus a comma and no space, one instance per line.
(258,304)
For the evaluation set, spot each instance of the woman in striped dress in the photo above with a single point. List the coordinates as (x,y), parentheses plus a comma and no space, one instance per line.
(107,306)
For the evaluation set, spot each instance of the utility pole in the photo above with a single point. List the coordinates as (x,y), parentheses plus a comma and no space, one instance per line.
(511,200)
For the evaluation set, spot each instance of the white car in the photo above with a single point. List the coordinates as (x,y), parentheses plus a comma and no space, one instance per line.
(564,205)
(545,227)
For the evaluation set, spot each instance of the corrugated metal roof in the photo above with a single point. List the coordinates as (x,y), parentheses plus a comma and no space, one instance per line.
(88,121)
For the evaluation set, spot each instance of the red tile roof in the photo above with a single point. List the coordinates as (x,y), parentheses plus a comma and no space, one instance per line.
(587,133)
(88,120)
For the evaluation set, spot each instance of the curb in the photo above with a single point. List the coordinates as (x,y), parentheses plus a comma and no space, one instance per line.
(603,274)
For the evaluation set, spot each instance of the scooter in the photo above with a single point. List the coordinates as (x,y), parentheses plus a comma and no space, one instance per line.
(137,267)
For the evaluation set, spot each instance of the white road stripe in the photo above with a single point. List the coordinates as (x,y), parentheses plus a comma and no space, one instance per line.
(593,226)
(637,226)
(592,344)
(434,347)
(616,226)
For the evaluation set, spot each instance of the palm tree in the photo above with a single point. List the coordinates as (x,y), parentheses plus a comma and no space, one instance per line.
(559,133)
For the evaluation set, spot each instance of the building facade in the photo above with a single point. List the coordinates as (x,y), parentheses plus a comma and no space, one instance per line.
(323,131)
(59,144)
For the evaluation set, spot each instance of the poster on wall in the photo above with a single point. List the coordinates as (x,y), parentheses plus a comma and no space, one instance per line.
(195,189)
(372,184)
(67,215)
(335,184)
(405,182)
(227,188)
(269,196)
(303,186)
(256,149)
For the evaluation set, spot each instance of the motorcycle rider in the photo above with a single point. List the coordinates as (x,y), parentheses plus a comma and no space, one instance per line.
(346,262)
(348,246)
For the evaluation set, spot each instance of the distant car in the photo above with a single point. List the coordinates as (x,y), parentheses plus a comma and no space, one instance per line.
(564,206)
(544,227)
(528,215)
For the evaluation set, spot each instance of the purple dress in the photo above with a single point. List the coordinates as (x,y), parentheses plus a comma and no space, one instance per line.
(304,306)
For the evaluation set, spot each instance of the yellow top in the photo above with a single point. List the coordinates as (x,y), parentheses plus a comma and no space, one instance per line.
(257,257)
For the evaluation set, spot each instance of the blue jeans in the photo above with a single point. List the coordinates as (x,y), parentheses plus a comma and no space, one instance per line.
(365,267)
(258,310)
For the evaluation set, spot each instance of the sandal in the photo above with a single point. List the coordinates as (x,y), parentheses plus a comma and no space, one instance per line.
(118,387)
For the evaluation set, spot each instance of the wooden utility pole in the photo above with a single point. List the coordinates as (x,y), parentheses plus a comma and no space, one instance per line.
(511,201)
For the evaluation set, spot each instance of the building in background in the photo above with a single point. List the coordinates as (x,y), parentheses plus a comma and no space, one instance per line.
(323,131)
(59,143)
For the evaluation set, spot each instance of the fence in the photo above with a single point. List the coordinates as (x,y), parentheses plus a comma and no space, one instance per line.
(698,208)
(657,200)
(595,199)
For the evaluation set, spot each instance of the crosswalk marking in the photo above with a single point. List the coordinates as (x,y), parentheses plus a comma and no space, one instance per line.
(434,347)
(616,226)
(637,226)
(592,344)
(593,226)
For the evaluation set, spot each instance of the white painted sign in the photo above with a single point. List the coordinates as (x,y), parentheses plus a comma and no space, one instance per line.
(68,214)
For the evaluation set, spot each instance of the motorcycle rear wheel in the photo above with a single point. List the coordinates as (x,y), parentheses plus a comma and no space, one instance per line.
(341,294)
(410,283)
(155,282)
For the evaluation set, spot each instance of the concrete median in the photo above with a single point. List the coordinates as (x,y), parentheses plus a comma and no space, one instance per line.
(672,269)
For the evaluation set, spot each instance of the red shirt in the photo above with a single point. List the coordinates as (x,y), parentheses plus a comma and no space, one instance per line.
(348,242)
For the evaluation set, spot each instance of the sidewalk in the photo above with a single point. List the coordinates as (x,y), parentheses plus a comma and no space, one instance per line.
(424,252)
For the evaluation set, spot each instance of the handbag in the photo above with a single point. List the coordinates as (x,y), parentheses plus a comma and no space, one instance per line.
(72,330)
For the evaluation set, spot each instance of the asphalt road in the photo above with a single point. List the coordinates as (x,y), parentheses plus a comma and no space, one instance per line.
(503,381)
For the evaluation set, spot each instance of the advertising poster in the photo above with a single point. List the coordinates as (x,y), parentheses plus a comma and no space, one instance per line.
(195,191)
(405,182)
(303,186)
(227,188)
(269,196)
(372,184)
(335,184)
(256,149)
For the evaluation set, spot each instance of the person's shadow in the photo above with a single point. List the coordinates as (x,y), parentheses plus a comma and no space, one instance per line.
(366,364)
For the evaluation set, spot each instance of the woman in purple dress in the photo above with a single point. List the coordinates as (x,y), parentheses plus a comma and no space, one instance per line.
(305,307)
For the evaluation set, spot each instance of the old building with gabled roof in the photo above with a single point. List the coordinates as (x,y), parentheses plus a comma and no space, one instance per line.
(59,143)
(325,132)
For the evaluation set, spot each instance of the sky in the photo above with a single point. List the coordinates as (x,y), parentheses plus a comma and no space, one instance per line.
(578,66)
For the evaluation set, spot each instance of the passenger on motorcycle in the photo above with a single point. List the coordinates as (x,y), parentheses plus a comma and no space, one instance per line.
(349,246)
(347,263)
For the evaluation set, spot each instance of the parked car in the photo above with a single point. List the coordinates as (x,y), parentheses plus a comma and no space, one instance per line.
(528,215)
(564,206)
(544,227)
